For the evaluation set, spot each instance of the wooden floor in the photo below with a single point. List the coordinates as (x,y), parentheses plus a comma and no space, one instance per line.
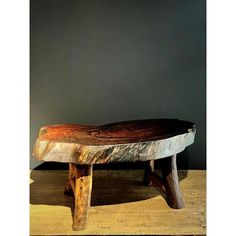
(120,205)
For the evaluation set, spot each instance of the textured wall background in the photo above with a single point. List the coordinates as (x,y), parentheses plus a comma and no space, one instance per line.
(102,61)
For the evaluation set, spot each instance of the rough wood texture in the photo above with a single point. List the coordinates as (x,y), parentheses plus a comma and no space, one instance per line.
(124,141)
(82,193)
(171,182)
(151,178)
(83,145)
(168,182)
(120,205)
(79,185)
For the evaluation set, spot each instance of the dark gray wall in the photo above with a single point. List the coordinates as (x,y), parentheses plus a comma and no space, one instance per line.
(101,61)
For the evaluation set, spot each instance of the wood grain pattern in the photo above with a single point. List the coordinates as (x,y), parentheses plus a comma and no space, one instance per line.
(128,208)
(124,141)
(168,183)
(83,145)
(79,185)
(171,182)
(116,133)
(82,194)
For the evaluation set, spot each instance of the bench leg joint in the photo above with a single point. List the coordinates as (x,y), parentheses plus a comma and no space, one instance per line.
(168,183)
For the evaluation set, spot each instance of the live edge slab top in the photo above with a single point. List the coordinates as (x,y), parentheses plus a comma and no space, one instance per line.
(124,141)
(142,140)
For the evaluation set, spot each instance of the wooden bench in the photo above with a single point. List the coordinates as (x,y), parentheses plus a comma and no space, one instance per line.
(143,140)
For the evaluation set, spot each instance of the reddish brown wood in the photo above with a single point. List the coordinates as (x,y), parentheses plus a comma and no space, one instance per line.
(116,133)
(141,140)
(153,179)
(168,183)
(171,182)
(124,141)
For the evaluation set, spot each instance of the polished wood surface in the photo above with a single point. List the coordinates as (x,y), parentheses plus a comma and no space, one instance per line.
(142,140)
(117,142)
(116,133)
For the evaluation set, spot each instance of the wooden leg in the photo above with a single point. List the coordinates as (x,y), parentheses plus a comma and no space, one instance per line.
(171,182)
(68,189)
(83,189)
(168,183)
(149,168)
(80,185)
(151,178)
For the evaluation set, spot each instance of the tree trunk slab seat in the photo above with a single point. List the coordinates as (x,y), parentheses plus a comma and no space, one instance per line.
(142,140)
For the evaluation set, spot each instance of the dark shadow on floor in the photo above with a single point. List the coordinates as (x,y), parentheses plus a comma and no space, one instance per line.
(109,187)
(111,166)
